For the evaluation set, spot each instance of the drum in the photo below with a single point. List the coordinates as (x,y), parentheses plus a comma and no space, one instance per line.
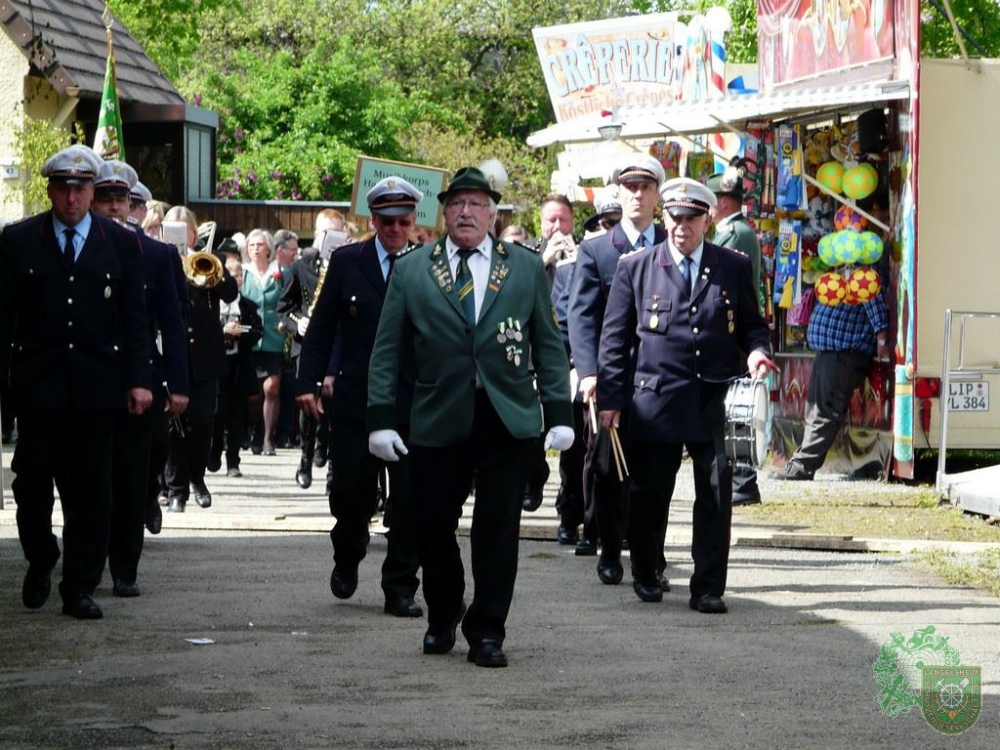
(748,422)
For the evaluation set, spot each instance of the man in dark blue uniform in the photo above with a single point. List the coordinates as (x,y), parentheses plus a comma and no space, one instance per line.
(349,308)
(74,343)
(132,488)
(678,317)
(639,178)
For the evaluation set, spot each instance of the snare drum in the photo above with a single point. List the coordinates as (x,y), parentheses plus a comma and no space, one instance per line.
(748,422)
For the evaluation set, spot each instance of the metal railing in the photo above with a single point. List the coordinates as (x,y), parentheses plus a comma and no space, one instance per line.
(962,372)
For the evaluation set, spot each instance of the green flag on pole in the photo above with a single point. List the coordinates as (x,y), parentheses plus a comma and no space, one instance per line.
(109,142)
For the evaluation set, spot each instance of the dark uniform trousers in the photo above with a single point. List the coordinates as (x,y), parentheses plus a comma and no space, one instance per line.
(189,453)
(441,480)
(570,500)
(229,428)
(132,485)
(72,448)
(353,500)
(654,469)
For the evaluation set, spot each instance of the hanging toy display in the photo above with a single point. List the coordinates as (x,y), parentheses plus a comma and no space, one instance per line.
(862,285)
(831,289)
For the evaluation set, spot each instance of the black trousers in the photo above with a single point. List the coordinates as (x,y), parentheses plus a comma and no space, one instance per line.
(130,488)
(189,453)
(442,478)
(570,500)
(605,495)
(73,450)
(654,471)
(229,428)
(353,500)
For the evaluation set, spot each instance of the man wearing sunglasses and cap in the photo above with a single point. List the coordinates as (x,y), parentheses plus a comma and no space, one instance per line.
(687,309)
(474,311)
(74,343)
(348,311)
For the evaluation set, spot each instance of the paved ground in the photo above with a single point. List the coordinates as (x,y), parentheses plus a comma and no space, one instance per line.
(591,666)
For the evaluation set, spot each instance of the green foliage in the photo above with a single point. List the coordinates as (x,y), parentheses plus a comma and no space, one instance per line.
(979,18)
(169,30)
(34,142)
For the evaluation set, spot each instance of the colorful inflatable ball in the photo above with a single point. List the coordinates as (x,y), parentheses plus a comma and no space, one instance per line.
(831,176)
(861,181)
(871,248)
(831,289)
(845,248)
(848,218)
(862,285)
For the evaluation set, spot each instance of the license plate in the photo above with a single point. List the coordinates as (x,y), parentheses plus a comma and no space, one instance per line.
(969,396)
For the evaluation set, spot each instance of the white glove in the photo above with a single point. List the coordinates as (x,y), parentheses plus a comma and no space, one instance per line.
(303,326)
(386,444)
(559,437)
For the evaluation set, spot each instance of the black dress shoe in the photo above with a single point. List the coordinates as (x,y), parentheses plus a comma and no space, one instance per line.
(532,499)
(270,451)
(177,505)
(37,585)
(154,517)
(82,607)
(343,584)
(214,463)
(319,459)
(126,589)
(709,605)
(746,498)
(567,535)
(403,606)
(442,643)
(201,495)
(585,548)
(234,473)
(304,475)
(256,449)
(793,472)
(610,572)
(488,654)
(664,584)
(648,592)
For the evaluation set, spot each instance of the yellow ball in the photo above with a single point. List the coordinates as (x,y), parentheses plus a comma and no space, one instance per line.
(831,289)
(831,176)
(862,285)
(860,181)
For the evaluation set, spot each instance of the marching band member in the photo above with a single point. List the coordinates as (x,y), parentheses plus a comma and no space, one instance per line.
(686,309)
(74,343)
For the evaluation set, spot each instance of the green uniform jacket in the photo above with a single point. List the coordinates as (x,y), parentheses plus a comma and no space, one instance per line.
(422,308)
(738,234)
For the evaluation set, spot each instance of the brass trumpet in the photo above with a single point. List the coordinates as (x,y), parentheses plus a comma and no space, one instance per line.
(203,269)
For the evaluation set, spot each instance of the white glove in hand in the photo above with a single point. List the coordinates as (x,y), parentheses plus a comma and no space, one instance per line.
(559,437)
(386,444)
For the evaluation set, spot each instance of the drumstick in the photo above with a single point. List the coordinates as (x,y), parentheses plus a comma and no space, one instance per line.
(593,416)
(616,444)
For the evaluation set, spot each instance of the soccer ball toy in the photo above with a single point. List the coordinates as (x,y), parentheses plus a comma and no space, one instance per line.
(831,176)
(831,289)
(862,285)
(845,248)
(860,181)
(871,247)
(848,218)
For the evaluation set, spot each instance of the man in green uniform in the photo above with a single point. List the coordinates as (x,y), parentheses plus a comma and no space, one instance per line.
(473,309)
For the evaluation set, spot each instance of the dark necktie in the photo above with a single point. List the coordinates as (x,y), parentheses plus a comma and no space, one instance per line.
(686,272)
(392,264)
(641,242)
(69,249)
(466,287)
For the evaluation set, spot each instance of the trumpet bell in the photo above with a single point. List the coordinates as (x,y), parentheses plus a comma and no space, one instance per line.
(203,269)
